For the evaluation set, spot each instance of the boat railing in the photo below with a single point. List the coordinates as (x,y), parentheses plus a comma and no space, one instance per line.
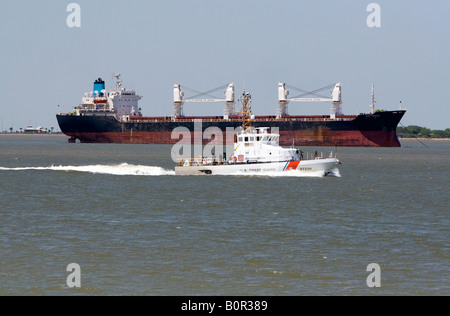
(316,155)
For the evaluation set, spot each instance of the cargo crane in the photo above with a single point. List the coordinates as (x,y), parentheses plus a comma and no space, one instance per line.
(229,100)
(283,100)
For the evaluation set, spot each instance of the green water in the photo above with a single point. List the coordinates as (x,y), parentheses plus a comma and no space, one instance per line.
(135,228)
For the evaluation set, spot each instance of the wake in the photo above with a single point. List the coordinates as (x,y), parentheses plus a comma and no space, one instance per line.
(123,169)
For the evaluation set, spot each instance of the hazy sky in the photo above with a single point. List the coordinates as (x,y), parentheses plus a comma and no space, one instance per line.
(205,44)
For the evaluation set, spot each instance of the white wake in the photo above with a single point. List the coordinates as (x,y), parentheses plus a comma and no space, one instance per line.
(123,169)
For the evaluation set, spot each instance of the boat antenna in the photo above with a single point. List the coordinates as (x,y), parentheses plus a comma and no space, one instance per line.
(246,111)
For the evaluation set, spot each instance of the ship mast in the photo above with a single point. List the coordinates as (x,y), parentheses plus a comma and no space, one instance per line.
(373,99)
(246,111)
(118,81)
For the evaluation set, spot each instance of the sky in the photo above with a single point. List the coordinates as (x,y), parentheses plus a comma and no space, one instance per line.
(204,44)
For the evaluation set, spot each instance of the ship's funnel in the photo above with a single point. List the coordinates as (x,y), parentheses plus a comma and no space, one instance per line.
(99,87)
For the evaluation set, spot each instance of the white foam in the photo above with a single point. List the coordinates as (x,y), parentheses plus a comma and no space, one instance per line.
(123,169)
(335,173)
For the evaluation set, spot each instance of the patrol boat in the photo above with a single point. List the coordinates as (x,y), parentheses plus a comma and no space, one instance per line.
(256,150)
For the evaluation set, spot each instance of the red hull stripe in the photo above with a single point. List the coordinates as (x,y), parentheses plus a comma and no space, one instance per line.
(292,165)
(331,138)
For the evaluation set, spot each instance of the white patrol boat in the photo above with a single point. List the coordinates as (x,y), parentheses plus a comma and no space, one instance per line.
(258,151)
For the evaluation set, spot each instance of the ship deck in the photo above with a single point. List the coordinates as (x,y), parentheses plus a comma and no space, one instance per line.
(290,118)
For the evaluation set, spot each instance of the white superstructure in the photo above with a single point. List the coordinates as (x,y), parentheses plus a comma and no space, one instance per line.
(258,145)
(120,102)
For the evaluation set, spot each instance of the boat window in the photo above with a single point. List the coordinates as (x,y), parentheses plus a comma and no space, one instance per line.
(252,139)
(258,138)
(246,139)
(240,139)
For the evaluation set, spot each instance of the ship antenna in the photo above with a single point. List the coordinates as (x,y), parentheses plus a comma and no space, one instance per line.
(373,99)
(118,81)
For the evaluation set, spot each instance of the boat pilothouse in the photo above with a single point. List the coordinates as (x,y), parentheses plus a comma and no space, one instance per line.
(256,150)
(258,146)
(119,102)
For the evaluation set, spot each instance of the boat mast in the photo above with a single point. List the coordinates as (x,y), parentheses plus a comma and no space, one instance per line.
(246,111)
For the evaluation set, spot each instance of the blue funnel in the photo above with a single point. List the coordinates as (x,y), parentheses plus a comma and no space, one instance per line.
(99,85)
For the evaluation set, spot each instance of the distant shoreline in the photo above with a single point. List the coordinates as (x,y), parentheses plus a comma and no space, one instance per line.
(421,139)
(32,134)
(62,134)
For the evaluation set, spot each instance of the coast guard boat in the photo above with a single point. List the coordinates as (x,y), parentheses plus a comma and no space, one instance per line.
(256,150)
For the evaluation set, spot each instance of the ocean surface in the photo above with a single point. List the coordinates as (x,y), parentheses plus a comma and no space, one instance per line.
(134,228)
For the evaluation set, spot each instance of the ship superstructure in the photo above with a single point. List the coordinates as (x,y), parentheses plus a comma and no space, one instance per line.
(120,102)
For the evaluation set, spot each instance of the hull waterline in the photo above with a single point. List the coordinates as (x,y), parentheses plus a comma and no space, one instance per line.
(368,130)
(321,167)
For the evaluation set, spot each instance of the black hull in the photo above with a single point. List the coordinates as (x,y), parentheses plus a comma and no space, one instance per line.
(367,130)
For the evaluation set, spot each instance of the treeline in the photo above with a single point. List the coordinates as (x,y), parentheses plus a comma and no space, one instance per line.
(414,131)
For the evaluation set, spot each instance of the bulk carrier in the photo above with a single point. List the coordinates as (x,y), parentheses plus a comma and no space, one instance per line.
(115,117)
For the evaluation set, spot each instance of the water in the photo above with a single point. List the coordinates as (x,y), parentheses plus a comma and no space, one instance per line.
(137,229)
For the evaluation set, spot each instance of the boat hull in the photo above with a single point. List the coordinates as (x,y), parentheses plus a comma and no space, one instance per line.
(321,167)
(368,130)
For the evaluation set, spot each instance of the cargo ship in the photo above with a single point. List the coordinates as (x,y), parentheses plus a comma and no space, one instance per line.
(115,117)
